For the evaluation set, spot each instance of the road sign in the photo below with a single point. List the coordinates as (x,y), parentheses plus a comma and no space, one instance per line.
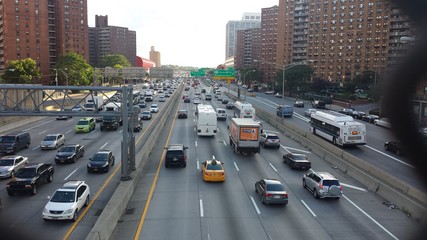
(200,73)
(224,73)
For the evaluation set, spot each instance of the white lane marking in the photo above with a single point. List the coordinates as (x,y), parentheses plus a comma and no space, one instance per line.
(354,187)
(66,178)
(194,128)
(255,206)
(121,131)
(218,130)
(309,209)
(68,131)
(195,143)
(225,144)
(271,165)
(269,131)
(197,163)
(41,124)
(395,159)
(295,149)
(201,208)
(104,145)
(35,148)
(235,165)
(213,157)
(373,220)
(209,237)
(42,132)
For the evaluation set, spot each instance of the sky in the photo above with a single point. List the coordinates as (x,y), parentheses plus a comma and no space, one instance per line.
(185,32)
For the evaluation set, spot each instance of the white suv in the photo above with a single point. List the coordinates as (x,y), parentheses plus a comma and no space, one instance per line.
(221,113)
(67,201)
(322,184)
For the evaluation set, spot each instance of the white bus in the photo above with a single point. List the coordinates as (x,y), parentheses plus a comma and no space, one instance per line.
(338,128)
(244,110)
(206,120)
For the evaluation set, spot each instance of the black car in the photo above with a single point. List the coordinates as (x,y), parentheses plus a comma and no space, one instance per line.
(346,111)
(295,160)
(142,105)
(394,146)
(299,104)
(369,118)
(224,101)
(229,105)
(176,155)
(69,153)
(187,100)
(101,161)
(182,114)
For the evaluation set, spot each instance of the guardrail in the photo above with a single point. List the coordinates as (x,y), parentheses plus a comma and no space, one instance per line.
(410,200)
(115,207)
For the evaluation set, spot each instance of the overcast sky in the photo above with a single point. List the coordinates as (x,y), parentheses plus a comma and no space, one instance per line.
(185,32)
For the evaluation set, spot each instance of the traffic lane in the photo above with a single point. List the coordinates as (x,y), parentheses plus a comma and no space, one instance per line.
(174,207)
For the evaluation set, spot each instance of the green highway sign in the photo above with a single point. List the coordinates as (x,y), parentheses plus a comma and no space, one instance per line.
(200,73)
(224,73)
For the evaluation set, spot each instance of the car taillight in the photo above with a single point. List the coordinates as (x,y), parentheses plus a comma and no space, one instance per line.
(285,195)
(184,158)
(222,174)
(340,187)
(266,140)
(320,186)
(268,195)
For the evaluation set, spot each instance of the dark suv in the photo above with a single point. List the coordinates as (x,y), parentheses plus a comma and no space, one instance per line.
(176,155)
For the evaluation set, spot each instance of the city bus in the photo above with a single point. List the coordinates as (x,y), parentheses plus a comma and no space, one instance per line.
(243,110)
(338,128)
(206,120)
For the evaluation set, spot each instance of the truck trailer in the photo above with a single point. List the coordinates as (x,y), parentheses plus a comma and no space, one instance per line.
(244,135)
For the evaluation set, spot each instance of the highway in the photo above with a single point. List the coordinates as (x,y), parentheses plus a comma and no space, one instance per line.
(178,203)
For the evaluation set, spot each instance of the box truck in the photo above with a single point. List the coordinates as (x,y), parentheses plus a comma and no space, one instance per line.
(244,135)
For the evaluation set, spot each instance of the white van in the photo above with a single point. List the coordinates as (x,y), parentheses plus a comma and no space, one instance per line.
(221,114)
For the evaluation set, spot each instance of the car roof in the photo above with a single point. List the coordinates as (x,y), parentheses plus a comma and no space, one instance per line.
(10,157)
(326,175)
(175,147)
(53,134)
(72,184)
(272,181)
(86,118)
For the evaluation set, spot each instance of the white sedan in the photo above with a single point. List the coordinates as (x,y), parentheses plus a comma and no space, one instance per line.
(154,108)
(384,122)
(10,164)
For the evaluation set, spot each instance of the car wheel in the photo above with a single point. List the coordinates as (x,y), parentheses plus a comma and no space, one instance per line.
(386,147)
(75,216)
(74,159)
(87,201)
(315,193)
(10,193)
(263,200)
(12,174)
(304,185)
(34,190)
(50,178)
(398,152)
(334,141)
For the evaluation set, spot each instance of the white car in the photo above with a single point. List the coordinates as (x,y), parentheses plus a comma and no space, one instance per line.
(154,108)
(10,164)
(67,201)
(162,98)
(309,111)
(197,101)
(384,122)
(52,141)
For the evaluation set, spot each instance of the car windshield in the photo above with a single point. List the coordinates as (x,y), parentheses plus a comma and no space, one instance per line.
(7,139)
(330,183)
(145,113)
(99,157)
(6,162)
(214,167)
(26,173)
(67,149)
(275,187)
(83,122)
(63,197)
(49,138)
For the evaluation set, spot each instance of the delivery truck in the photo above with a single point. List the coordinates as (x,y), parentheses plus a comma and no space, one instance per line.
(244,135)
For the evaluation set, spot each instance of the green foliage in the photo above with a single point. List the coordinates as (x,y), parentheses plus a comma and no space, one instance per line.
(21,72)
(73,69)
(295,77)
(111,60)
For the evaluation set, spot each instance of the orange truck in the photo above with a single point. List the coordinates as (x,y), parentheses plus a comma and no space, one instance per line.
(244,135)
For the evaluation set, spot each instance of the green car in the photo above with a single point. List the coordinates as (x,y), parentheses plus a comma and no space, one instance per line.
(85,124)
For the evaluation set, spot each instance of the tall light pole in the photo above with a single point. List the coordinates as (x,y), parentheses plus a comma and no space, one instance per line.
(63,72)
(244,81)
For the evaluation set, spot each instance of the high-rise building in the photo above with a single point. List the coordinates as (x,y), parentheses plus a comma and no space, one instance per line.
(340,39)
(247,47)
(268,47)
(155,57)
(249,20)
(42,30)
(105,39)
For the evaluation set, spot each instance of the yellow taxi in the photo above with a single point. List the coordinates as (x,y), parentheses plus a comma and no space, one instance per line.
(213,171)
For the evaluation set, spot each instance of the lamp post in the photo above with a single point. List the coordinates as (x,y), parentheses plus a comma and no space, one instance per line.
(63,72)
(244,81)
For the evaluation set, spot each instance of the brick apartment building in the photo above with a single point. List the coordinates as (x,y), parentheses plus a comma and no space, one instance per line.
(42,30)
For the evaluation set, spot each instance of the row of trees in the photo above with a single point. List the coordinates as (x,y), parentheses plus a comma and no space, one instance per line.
(71,69)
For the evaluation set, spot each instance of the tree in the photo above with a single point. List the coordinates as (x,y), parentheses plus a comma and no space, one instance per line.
(295,77)
(21,71)
(73,70)
(112,60)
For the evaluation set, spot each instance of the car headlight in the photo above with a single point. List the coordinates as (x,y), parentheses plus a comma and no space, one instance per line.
(68,211)
(105,164)
(89,165)
(45,210)
(69,157)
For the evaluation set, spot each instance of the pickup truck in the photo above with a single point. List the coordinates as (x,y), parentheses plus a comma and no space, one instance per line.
(28,178)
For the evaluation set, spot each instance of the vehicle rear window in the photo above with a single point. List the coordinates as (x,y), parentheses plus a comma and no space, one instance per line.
(273,137)
(173,153)
(331,182)
(299,157)
(275,187)
(83,123)
(214,167)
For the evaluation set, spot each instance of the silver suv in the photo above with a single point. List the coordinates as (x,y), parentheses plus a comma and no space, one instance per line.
(322,184)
